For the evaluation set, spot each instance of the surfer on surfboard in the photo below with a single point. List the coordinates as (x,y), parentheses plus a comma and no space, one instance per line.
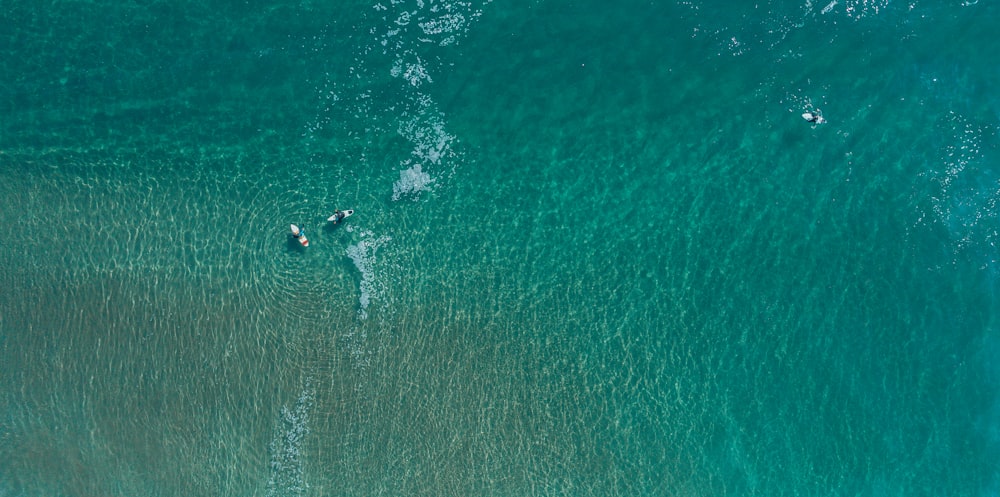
(339,215)
(814,116)
(300,235)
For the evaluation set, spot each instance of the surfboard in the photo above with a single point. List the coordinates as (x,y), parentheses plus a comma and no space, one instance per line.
(809,117)
(300,236)
(347,214)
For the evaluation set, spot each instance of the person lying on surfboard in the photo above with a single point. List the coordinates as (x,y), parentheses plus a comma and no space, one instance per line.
(300,235)
(814,116)
(338,215)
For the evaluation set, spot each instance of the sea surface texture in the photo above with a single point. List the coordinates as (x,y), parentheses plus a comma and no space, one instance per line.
(596,249)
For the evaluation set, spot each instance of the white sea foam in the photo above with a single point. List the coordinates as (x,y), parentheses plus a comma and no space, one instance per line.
(412,181)
(363,254)
(425,128)
(446,24)
(861,8)
(411,68)
(799,104)
(957,157)
(440,23)
(287,475)
(967,200)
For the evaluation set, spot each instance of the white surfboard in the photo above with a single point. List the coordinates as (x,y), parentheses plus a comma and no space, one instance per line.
(347,214)
(300,236)
(808,116)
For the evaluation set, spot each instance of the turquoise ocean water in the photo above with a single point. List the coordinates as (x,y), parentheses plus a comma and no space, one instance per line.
(596,250)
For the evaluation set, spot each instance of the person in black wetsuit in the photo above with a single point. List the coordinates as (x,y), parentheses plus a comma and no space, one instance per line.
(816,117)
(339,215)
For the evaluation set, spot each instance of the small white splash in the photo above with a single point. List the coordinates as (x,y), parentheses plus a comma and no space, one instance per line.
(363,254)
(798,104)
(410,67)
(861,8)
(413,71)
(412,181)
(829,7)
